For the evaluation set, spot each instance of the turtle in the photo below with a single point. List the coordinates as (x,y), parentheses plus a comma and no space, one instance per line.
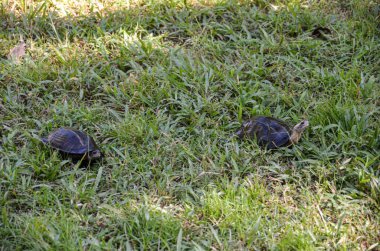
(73,143)
(271,132)
(321,33)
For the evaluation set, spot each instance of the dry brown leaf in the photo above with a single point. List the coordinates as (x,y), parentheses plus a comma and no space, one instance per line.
(17,52)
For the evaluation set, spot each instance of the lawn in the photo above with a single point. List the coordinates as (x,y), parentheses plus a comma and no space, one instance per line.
(163,86)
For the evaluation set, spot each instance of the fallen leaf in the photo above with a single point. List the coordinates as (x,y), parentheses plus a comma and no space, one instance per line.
(345,162)
(16,53)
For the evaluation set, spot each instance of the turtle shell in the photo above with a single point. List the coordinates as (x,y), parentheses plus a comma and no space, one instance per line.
(71,142)
(269,132)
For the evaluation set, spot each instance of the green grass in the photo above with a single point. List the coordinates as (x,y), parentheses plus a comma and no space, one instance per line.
(162,86)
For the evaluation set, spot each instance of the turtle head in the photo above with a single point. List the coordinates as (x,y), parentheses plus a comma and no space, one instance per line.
(301,126)
(96,154)
(298,130)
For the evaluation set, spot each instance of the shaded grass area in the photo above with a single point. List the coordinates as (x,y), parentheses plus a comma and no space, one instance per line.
(162,85)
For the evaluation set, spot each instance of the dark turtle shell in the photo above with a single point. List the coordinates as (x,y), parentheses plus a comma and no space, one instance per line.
(269,132)
(72,142)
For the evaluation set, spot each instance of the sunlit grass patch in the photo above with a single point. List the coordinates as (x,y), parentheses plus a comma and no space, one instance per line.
(291,220)
(82,227)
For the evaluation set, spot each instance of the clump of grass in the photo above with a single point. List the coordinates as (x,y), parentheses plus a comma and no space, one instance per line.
(162,86)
